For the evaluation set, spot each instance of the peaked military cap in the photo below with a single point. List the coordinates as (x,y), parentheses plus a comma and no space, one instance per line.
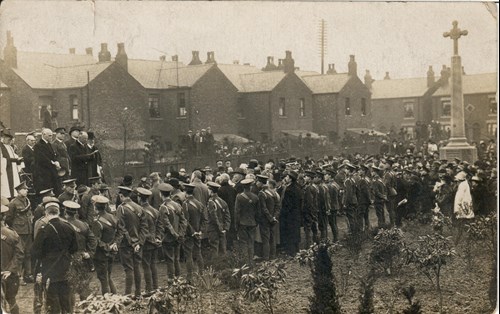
(262,178)
(189,187)
(165,187)
(71,206)
(21,186)
(4,209)
(100,199)
(69,181)
(124,188)
(94,179)
(215,186)
(144,191)
(247,181)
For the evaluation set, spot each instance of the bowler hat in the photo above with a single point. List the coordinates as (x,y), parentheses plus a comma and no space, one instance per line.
(60,130)
(7,133)
(75,128)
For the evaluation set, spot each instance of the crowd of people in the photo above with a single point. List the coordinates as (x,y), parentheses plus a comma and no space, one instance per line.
(274,205)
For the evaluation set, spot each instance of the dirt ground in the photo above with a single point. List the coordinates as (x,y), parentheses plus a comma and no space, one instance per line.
(465,284)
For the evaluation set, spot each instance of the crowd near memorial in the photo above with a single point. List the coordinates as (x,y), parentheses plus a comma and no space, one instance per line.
(65,216)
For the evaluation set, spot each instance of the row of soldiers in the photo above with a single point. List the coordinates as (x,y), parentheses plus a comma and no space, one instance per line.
(255,202)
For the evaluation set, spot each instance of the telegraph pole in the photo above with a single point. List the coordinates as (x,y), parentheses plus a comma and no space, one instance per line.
(322,43)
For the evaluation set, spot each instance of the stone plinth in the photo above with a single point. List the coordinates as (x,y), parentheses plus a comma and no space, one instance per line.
(460,150)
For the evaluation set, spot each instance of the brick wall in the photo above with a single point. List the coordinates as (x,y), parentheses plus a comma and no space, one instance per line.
(387,113)
(355,90)
(5,106)
(325,114)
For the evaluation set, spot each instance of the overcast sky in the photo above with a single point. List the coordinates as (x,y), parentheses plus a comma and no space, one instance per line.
(402,38)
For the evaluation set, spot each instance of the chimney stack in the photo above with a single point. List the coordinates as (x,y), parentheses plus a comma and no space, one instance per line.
(121,56)
(430,77)
(89,51)
(246,63)
(210,57)
(236,61)
(163,58)
(196,58)
(331,69)
(463,70)
(104,55)
(10,51)
(352,66)
(72,51)
(270,66)
(175,58)
(288,62)
(280,64)
(387,77)
(445,75)
(368,79)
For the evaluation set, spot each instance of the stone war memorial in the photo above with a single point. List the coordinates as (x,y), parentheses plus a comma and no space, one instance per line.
(457,146)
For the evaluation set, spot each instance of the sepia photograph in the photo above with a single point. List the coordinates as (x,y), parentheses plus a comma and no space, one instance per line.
(241,157)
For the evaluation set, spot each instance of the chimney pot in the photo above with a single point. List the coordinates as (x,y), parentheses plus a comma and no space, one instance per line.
(175,58)
(387,77)
(246,63)
(331,69)
(288,62)
(430,77)
(368,79)
(463,70)
(196,58)
(236,62)
(210,57)
(89,51)
(72,51)
(163,58)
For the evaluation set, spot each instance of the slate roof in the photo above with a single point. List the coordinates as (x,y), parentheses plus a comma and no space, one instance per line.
(473,84)
(261,82)
(234,71)
(399,88)
(165,75)
(57,71)
(326,83)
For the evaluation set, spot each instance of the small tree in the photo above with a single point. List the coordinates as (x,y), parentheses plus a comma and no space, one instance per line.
(414,307)
(387,247)
(366,296)
(432,253)
(325,298)
(262,284)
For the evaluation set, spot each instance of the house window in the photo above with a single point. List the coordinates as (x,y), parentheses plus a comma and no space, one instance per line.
(154,106)
(363,106)
(493,105)
(302,108)
(409,107)
(181,105)
(492,128)
(74,106)
(281,110)
(347,106)
(445,107)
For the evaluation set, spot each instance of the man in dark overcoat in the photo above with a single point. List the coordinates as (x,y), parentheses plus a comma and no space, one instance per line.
(46,165)
(80,159)
(291,210)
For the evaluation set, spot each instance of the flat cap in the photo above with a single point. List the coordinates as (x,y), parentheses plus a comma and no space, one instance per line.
(81,189)
(262,178)
(189,187)
(103,187)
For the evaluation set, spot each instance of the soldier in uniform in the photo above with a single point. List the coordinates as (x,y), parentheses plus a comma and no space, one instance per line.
(323,204)
(389,179)
(12,255)
(105,229)
(269,205)
(246,210)
(350,200)
(219,222)
(363,193)
(82,262)
(150,250)
(132,222)
(19,218)
(335,201)
(53,247)
(194,212)
(87,212)
(69,193)
(379,191)
(170,230)
(310,209)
